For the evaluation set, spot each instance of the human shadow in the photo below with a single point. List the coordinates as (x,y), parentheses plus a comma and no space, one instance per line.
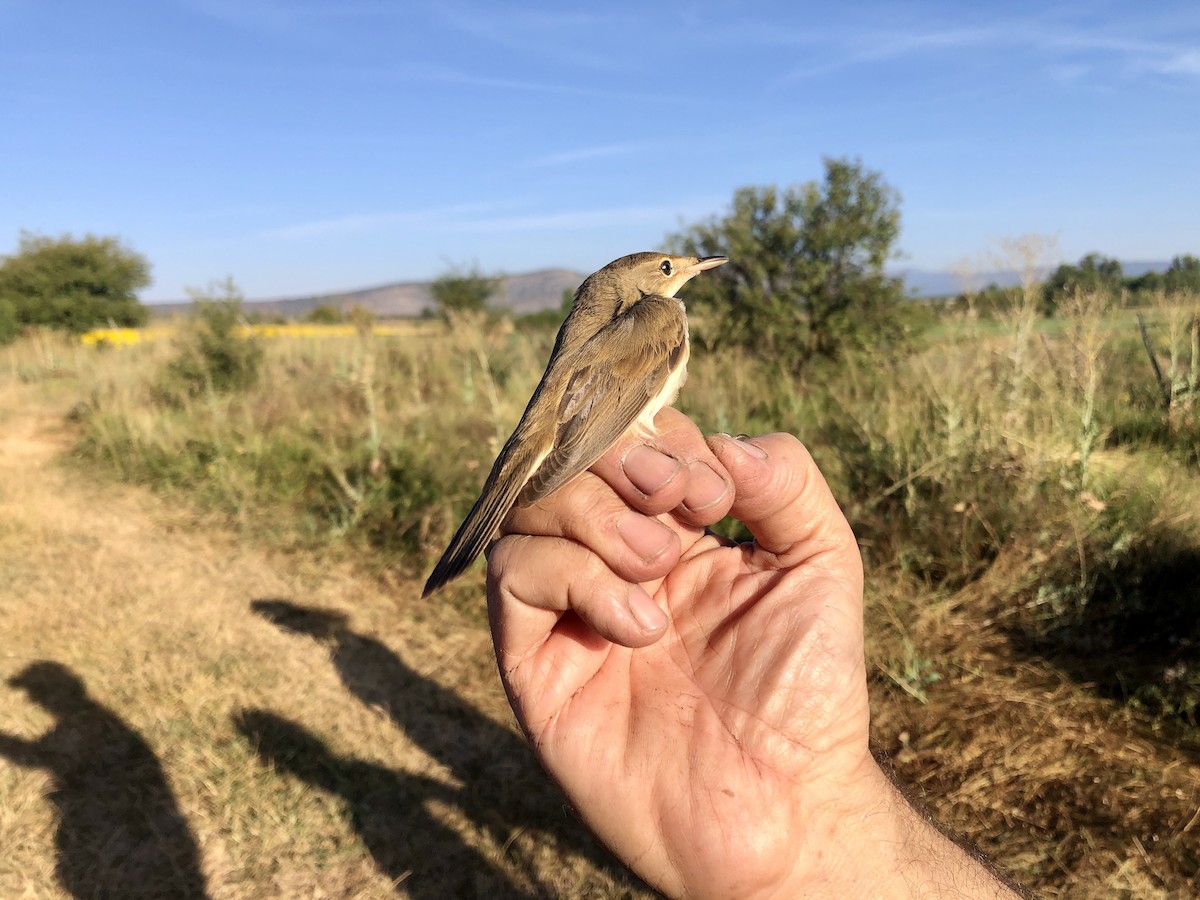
(388,809)
(120,832)
(504,790)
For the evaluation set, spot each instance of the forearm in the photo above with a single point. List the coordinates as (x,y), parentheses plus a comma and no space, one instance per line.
(879,846)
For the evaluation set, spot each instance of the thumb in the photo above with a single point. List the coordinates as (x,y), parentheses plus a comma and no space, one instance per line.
(784,500)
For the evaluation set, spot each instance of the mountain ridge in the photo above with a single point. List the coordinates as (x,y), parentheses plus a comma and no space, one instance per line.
(544,288)
(524,293)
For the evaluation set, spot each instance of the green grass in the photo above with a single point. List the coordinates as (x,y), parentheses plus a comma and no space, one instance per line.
(1028,511)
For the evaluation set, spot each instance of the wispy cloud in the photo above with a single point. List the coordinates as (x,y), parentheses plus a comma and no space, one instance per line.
(576,220)
(569,157)
(280,16)
(361,223)
(550,34)
(483,219)
(1186,62)
(1069,73)
(895,44)
(253,15)
(1071,51)
(450,75)
(864,48)
(1166,57)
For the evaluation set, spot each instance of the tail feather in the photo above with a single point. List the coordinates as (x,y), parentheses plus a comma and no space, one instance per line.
(497,498)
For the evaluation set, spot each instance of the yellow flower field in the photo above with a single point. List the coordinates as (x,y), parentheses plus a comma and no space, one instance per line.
(121,337)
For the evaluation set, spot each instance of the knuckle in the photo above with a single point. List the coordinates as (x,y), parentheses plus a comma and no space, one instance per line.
(589,570)
(499,555)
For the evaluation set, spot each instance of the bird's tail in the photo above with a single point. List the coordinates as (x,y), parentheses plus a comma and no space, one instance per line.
(497,498)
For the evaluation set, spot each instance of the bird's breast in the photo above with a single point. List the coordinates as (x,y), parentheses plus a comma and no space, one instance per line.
(670,389)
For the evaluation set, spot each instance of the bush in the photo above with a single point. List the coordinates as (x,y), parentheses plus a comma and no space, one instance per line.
(1117,606)
(325,314)
(9,327)
(213,354)
(464,292)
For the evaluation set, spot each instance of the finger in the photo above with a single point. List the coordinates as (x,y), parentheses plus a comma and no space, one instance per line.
(636,547)
(672,469)
(784,500)
(533,581)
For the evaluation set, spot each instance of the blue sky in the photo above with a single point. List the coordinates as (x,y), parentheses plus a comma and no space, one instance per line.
(301,147)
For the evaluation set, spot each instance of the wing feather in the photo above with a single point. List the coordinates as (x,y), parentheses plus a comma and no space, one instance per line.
(633,359)
(499,494)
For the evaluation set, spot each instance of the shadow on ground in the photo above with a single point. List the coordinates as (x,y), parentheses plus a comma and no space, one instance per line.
(120,832)
(1132,631)
(389,810)
(503,790)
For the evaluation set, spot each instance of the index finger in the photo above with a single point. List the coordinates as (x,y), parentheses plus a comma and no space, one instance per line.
(672,469)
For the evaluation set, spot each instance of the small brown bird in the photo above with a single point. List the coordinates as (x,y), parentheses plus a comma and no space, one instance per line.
(619,358)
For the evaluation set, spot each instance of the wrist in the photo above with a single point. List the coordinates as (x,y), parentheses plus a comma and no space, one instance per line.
(868,841)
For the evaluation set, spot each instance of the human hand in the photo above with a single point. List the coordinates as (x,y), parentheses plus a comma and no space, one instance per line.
(703,704)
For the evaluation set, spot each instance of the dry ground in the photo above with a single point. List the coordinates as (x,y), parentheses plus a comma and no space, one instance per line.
(278,726)
(284,725)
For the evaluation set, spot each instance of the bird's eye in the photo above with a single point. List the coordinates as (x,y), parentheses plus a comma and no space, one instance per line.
(665,268)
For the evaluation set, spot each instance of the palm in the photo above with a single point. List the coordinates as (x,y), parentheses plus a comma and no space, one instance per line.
(756,684)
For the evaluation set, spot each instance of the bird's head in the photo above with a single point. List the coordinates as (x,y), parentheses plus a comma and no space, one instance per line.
(641,274)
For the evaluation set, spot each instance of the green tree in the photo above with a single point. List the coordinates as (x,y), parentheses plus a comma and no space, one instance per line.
(1094,273)
(805,276)
(1183,274)
(462,291)
(325,314)
(1146,283)
(74,284)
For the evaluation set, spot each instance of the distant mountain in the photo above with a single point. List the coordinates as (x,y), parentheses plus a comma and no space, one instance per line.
(934,283)
(535,291)
(530,292)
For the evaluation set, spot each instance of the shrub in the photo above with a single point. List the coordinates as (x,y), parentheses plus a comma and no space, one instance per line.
(9,326)
(464,292)
(325,314)
(214,353)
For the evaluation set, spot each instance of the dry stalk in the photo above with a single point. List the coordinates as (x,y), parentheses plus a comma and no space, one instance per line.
(1088,339)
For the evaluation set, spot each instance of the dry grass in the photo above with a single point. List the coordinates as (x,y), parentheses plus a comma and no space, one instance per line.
(1030,520)
(1075,794)
(291,728)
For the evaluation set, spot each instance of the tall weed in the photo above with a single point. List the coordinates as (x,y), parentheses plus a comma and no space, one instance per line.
(946,459)
(212,355)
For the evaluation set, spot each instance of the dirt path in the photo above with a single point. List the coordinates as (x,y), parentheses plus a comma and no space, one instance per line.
(284,726)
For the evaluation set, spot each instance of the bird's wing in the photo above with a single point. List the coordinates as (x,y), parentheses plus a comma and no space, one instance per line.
(633,358)
(499,493)
(635,355)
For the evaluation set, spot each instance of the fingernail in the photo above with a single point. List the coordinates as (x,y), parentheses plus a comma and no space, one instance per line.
(645,611)
(743,441)
(648,469)
(646,537)
(705,489)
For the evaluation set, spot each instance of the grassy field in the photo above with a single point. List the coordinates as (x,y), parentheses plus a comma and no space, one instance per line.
(226,583)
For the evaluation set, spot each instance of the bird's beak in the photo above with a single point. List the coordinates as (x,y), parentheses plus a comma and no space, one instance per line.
(707,262)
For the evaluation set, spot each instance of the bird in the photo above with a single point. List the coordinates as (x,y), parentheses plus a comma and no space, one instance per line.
(620,356)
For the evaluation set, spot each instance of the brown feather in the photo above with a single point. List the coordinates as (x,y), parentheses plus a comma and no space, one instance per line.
(619,357)
(601,402)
